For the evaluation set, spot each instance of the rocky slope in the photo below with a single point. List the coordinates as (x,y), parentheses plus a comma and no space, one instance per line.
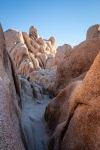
(71,76)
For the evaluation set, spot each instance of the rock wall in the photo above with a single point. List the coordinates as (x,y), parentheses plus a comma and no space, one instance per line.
(11,135)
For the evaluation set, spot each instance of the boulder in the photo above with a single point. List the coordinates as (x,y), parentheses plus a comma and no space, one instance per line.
(93,32)
(13,37)
(50,62)
(49,48)
(43,59)
(11,134)
(16,47)
(18,51)
(26,67)
(56,110)
(86,109)
(33,33)
(53,41)
(28,44)
(61,52)
(43,77)
(50,90)
(76,62)
(81,129)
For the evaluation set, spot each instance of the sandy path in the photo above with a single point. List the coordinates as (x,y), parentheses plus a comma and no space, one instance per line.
(34,124)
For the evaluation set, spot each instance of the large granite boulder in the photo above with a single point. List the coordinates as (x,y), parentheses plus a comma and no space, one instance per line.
(18,51)
(11,135)
(76,62)
(80,126)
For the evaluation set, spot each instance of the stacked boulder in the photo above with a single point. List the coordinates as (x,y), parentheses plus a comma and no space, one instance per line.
(32,55)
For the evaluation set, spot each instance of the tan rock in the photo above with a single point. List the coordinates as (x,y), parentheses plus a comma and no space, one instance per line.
(33,33)
(28,53)
(40,41)
(11,135)
(61,52)
(50,62)
(76,62)
(53,41)
(43,57)
(93,32)
(13,37)
(18,52)
(43,77)
(34,61)
(35,44)
(49,48)
(88,112)
(50,89)
(26,67)
(56,110)
(28,43)
(81,129)
(16,47)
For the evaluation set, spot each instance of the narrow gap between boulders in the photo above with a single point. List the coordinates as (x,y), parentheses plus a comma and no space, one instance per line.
(33,123)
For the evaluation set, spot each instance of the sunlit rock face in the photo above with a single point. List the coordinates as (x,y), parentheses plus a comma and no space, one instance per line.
(31,53)
(76,62)
(11,135)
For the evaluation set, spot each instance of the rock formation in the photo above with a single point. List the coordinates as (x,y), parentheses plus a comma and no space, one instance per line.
(93,32)
(11,135)
(77,62)
(70,76)
(73,115)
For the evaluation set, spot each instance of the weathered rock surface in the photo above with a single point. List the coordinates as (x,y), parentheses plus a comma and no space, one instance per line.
(78,112)
(11,135)
(30,89)
(73,115)
(43,77)
(18,51)
(61,52)
(33,33)
(76,62)
(85,110)
(30,52)
(93,32)
(56,111)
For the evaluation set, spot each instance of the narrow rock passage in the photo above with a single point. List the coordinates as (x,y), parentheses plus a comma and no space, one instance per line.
(34,124)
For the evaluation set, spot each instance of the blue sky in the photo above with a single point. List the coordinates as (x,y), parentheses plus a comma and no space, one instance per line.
(66,20)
